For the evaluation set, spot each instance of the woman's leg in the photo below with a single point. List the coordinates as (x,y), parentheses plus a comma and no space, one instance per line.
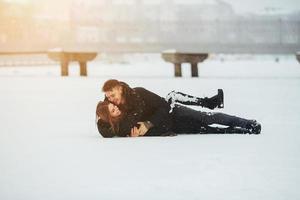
(211,103)
(209,118)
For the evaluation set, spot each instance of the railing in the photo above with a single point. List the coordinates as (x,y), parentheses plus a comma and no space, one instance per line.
(268,36)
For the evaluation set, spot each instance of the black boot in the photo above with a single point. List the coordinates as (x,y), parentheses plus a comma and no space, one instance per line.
(253,127)
(216,101)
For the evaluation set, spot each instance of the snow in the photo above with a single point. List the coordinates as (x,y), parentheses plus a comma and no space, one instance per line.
(50,147)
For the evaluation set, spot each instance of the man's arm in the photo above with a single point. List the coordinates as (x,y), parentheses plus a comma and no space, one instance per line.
(159,117)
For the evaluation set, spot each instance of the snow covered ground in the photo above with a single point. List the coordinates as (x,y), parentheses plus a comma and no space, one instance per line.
(50,147)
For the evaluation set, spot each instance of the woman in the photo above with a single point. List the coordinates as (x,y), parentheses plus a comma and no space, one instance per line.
(112,121)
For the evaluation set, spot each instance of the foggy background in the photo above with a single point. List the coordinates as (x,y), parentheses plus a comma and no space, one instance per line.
(210,26)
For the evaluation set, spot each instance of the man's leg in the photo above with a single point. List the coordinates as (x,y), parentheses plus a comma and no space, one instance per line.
(211,103)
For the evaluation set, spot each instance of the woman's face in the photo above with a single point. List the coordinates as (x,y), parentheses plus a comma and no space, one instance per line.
(113,110)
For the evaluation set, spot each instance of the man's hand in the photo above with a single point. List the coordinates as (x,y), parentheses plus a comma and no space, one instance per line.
(142,130)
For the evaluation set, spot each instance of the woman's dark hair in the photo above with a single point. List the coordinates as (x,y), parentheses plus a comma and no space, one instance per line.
(103,114)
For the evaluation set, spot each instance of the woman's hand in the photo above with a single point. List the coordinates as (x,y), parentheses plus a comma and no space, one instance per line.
(142,130)
(134,132)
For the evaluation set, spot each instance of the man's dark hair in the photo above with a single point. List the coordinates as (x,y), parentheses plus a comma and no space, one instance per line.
(110,84)
(127,92)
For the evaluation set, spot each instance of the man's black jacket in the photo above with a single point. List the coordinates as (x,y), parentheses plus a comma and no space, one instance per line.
(140,105)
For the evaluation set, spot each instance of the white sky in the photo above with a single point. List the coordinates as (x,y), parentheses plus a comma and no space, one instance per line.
(256,6)
(240,6)
(261,5)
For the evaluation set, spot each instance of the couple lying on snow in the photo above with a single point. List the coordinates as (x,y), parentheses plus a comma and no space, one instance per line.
(135,112)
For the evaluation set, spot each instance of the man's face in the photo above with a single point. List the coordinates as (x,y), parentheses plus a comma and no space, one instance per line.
(115,95)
